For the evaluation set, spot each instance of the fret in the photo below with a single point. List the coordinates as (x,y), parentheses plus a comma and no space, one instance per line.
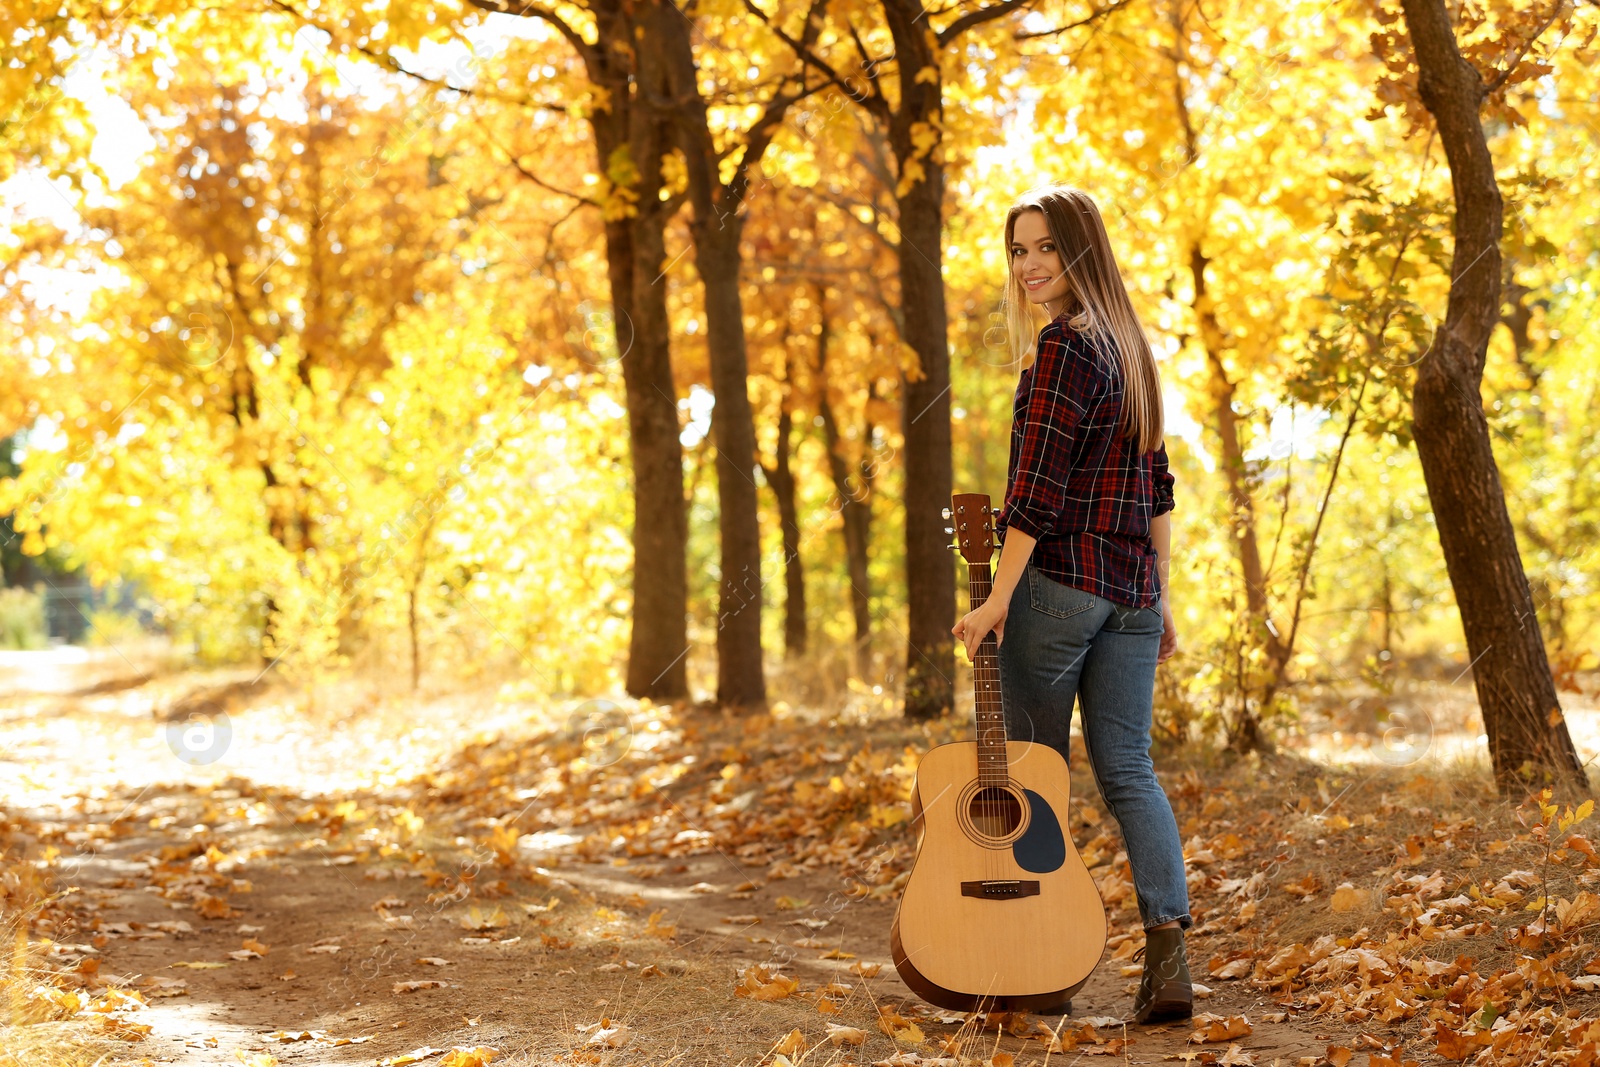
(988,708)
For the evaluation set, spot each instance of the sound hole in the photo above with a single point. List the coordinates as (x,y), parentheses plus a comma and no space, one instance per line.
(995,812)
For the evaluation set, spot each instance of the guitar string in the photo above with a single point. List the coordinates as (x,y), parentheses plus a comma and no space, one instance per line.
(993,800)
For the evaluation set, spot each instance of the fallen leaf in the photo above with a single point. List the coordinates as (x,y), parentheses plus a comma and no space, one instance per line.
(1239,968)
(899,1028)
(1458,1046)
(610,1036)
(656,928)
(157,986)
(123,1029)
(758,983)
(791,1044)
(412,987)
(475,919)
(845,1035)
(1348,898)
(1209,1027)
(416,1055)
(1305,887)
(211,907)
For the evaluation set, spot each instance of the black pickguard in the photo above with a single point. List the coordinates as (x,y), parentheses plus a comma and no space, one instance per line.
(1043,847)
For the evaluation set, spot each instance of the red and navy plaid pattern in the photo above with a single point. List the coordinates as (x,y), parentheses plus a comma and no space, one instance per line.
(1074,482)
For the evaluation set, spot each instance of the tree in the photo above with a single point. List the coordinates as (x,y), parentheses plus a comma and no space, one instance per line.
(1528,736)
(781,476)
(913,118)
(631,138)
(717,228)
(853,490)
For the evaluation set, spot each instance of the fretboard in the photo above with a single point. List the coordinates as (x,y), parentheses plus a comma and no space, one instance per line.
(986,688)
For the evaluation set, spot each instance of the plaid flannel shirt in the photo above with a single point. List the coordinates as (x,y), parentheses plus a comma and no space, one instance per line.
(1073,480)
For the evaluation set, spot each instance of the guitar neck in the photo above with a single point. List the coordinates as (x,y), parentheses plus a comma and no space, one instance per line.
(991,725)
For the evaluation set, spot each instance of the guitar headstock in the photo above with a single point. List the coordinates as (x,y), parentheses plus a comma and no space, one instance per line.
(973,525)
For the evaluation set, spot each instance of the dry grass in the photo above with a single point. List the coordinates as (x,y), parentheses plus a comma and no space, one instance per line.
(1316,827)
(32,1031)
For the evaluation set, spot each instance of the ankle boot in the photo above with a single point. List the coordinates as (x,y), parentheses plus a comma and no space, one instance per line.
(1165,992)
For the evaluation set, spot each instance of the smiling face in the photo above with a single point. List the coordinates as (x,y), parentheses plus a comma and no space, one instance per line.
(1036,262)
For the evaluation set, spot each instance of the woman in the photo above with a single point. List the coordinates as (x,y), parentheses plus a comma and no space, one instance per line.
(1079,603)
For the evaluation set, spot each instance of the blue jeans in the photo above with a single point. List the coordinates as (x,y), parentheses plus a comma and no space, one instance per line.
(1063,643)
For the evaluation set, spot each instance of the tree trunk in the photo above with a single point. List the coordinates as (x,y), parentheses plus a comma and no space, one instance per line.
(411,629)
(914,135)
(1528,737)
(1240,496)
(854,502)
(781,477)
(631,136)
(1243,735)
(629,140)
(716,227)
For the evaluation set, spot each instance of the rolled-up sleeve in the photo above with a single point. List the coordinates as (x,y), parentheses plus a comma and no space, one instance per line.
(1163,482)
(1065,379)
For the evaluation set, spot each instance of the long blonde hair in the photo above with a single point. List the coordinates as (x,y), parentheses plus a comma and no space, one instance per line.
(1097,301)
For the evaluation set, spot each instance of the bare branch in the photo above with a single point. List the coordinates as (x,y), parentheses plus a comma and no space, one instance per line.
(1500,79)
(1118,5)
(759,139)
(527,9)
(978,18)
(529,175)
(873,101)
(388,62)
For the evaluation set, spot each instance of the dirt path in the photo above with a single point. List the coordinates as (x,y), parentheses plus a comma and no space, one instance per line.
(480,900)
(333,955)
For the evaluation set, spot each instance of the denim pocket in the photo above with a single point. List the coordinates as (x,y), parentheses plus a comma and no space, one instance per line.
(1053,598)
(1127,620)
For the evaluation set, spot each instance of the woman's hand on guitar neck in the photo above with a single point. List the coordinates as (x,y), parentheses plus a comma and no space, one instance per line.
(991,614)
(974,625)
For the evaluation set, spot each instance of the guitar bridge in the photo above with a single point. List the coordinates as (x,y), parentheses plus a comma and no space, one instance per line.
(1001,888)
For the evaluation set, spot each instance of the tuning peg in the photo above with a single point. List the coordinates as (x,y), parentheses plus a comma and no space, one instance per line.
(945,513)
(949,529)
(994,511)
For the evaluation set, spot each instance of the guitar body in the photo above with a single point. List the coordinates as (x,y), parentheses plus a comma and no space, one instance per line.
(965,939)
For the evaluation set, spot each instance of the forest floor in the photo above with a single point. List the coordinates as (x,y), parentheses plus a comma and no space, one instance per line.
(210,869)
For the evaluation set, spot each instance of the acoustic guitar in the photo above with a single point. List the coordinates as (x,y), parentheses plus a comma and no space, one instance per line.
(999,912)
